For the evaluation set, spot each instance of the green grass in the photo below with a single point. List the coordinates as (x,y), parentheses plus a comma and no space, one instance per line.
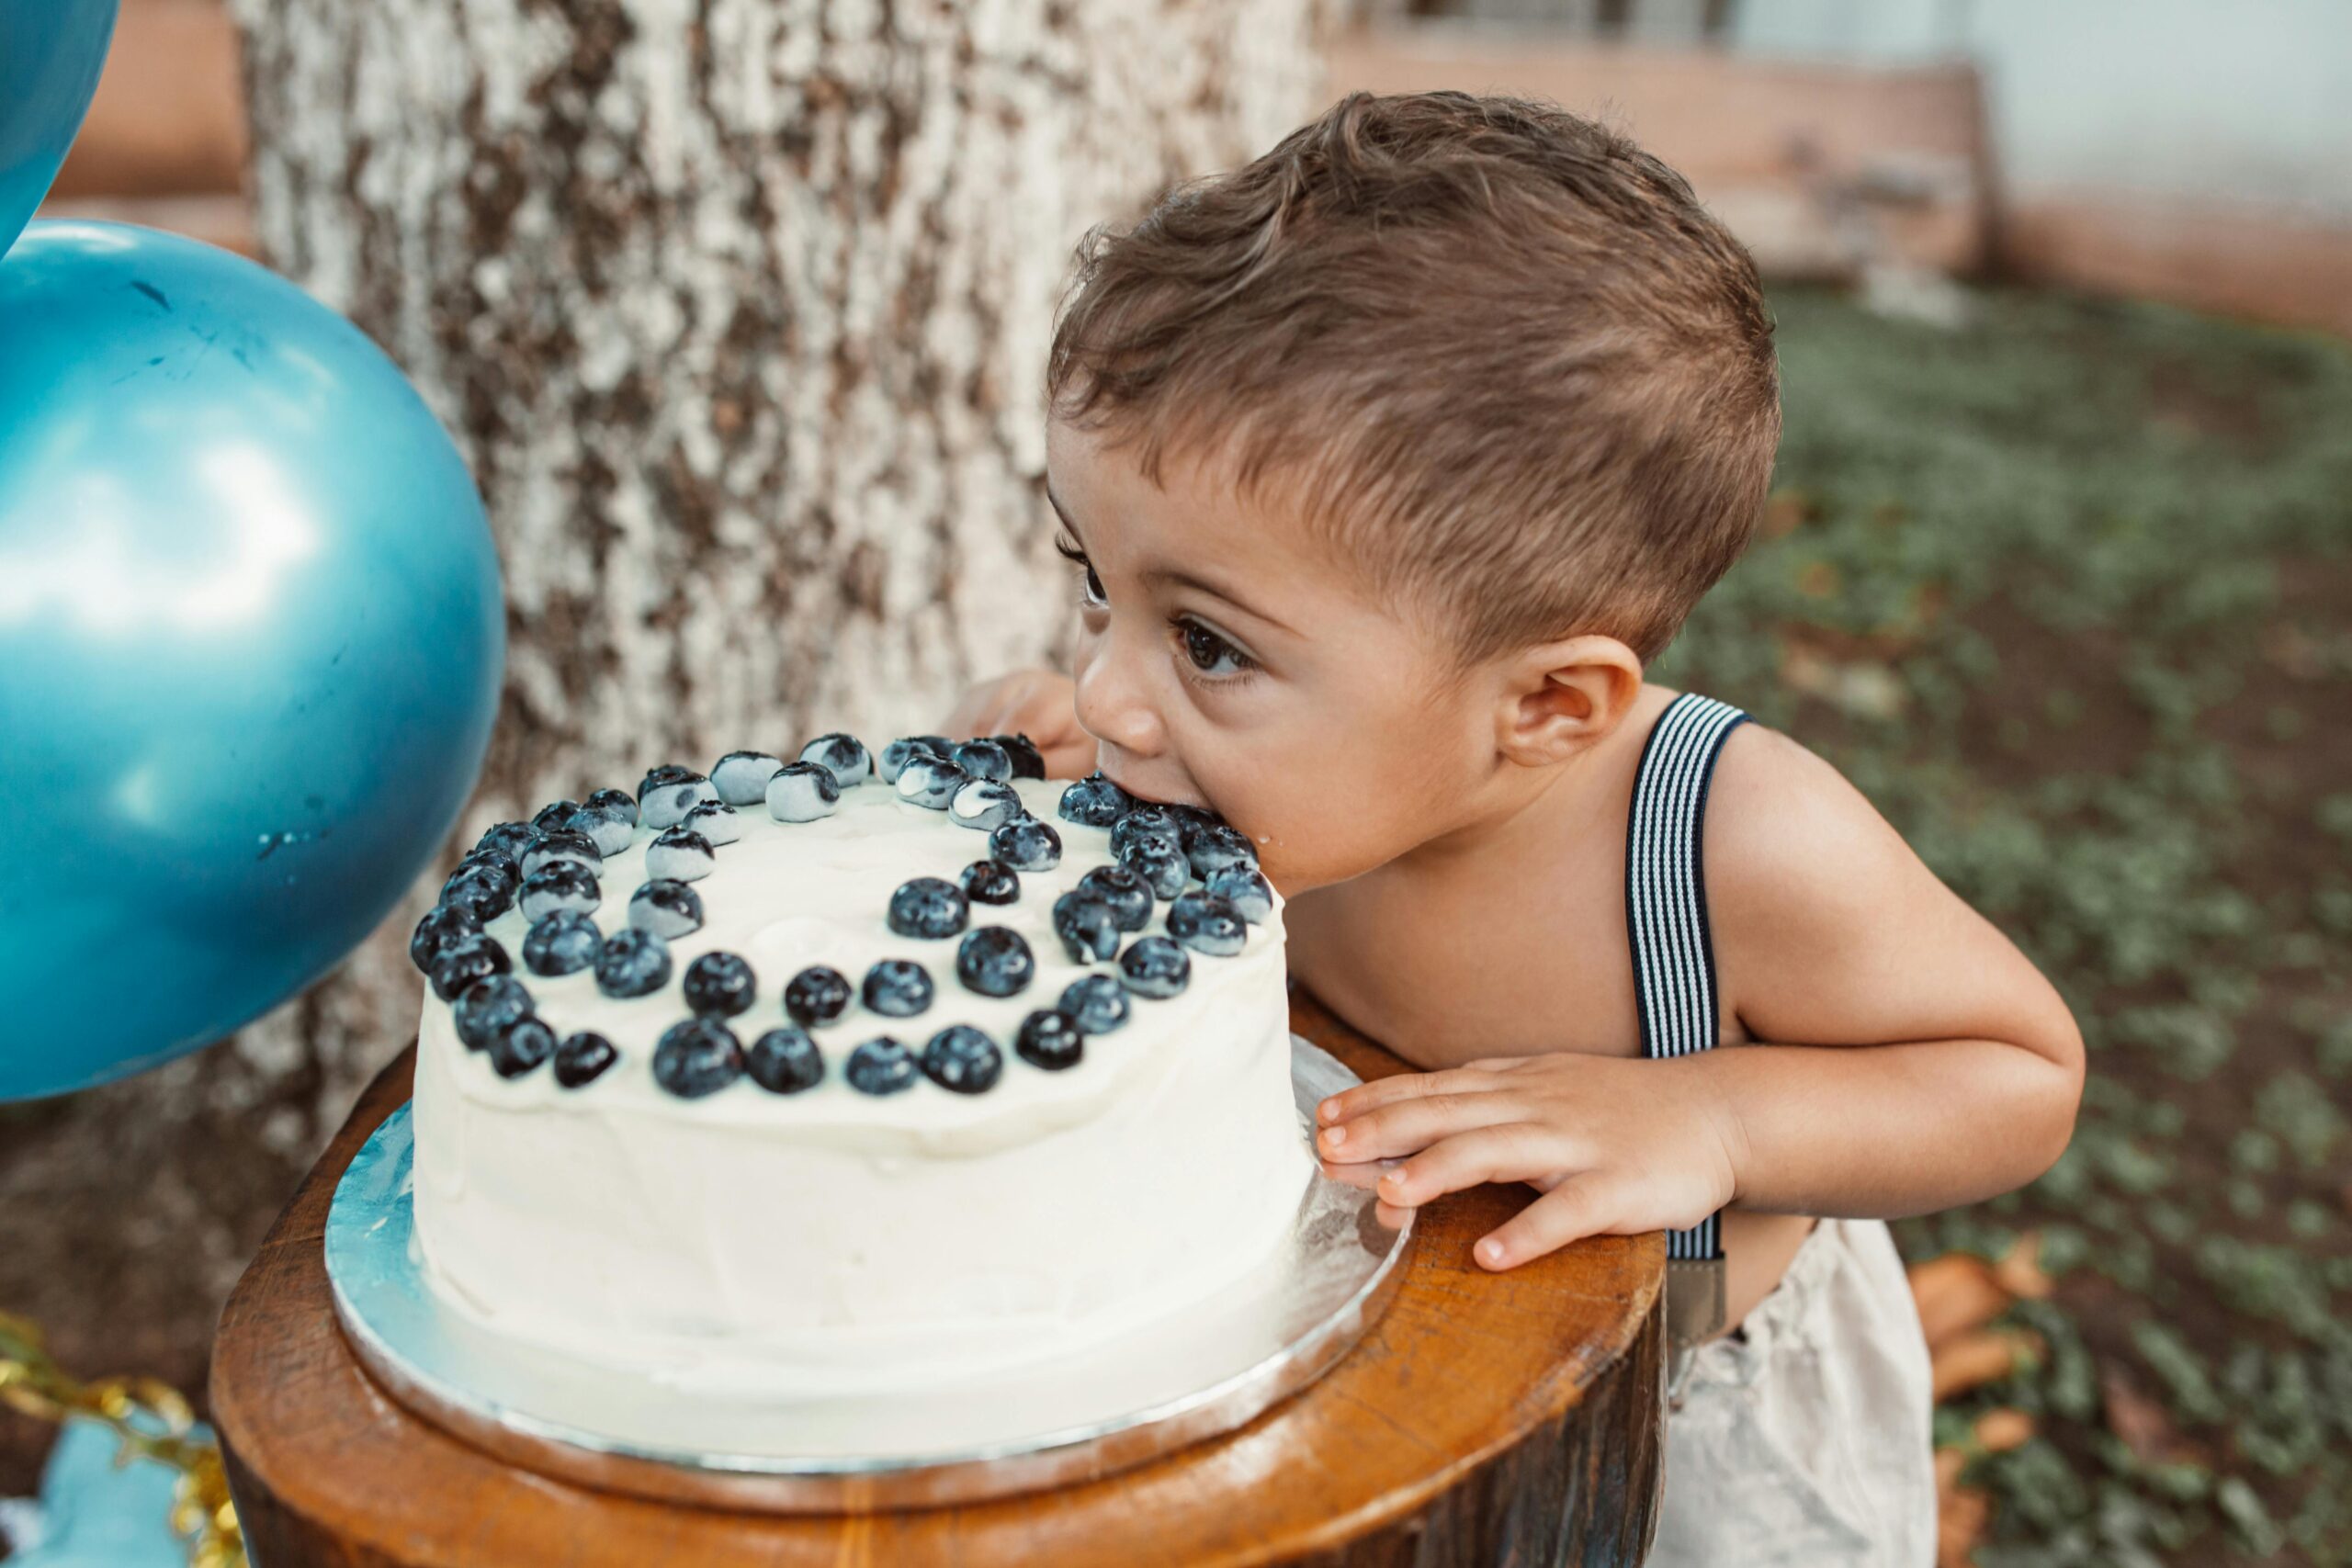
(2069,595)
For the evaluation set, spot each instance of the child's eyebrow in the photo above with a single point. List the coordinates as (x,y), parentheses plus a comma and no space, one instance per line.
(1172,576)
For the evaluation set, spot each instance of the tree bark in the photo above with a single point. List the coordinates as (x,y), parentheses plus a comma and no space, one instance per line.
(738,309)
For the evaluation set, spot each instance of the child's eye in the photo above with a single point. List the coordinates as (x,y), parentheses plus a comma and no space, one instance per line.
(1068,550)
(1211,654)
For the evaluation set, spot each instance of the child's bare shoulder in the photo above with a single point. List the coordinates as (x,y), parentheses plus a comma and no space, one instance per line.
(1781,818)
(1806,881)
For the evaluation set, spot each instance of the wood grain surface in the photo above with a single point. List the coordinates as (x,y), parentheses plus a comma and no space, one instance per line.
(1486,1419)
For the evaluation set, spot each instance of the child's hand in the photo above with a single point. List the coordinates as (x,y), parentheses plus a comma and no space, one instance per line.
(1040,703)
(1616,1146)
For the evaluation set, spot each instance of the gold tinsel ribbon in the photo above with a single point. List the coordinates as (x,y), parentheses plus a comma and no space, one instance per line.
(150,1421)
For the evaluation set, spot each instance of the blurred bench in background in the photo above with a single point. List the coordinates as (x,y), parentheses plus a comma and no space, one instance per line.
(1829,171)
(164,143)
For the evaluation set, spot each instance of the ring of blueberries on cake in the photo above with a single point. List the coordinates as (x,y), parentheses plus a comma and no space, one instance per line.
(1179,867)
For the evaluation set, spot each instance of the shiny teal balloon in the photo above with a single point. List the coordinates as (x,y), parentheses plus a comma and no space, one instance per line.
(50,52)
(251,644)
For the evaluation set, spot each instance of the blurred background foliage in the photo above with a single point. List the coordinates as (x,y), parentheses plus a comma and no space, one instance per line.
(2068,593)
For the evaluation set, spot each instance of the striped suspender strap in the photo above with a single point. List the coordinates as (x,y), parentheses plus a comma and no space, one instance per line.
(1674,959)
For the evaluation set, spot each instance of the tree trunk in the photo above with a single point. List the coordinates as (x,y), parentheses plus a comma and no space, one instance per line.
(739,310)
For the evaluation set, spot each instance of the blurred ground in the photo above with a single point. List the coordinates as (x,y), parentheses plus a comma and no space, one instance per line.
(2069,595)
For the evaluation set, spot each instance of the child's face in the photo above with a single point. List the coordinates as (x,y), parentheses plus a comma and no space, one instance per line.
(1228,659)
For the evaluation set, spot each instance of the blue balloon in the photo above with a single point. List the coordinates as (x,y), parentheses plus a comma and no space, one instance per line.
(51,53)
(250,645)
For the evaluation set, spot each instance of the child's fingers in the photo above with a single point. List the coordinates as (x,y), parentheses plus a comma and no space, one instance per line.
(1350,1103)
(1513,1152)
(1363,1177)
(1575,1209)
(1020,701)
(1404,1126)
(1072,759)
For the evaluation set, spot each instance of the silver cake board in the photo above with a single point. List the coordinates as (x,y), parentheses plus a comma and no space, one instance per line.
(1196,1373)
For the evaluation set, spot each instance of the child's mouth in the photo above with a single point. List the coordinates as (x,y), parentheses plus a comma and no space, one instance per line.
(1144,798)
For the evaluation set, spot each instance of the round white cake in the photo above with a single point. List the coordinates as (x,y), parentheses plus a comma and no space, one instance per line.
(688,1170)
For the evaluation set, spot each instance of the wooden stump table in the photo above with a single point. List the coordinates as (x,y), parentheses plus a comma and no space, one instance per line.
(1511,1419)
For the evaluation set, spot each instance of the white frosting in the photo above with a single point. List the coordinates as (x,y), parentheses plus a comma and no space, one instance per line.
(832,1241)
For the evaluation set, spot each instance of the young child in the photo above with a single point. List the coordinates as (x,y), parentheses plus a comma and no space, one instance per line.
(1388,462)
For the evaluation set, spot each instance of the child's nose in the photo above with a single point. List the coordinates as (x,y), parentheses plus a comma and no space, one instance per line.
(1112,705)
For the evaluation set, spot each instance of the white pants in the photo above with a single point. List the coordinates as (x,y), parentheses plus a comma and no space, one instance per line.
(1801,1437)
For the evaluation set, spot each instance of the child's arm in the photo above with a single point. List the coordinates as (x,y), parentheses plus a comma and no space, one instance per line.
(1829,935)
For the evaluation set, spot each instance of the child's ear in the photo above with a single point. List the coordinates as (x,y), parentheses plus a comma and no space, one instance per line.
(1561,697)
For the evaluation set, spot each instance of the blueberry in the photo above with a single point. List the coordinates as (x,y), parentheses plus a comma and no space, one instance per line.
(666,909)
(1206,923)
(617,804)
(443,924)
(1191,820)
(1146,825)
(1027,844)
(606,819)
(614,807)
(562,944)
(488,1009)
(583,1058)
(667,773)
(1217,848)
(679,854)
(995,961)
(1154,966)
(481,890)
(881,1066)
(845,756)
(1028,763)
(990,882)
(897,988)
(1163,871)
(983,760)
(554,815)
(1128,895)
(1095,802)
(666,804)
(741,777)
(521,1048)
(565,885)
(816,994)
(719,984)
(1050,1039)
(508,839)
(632,962)
(1097,1001)
(460,963)
(491,869)
(927,907)
(1245,888)
(802,791)
(563,844)
(931,782)
(1087,927)
(962,1058)
(786,1061)
(505,865)
(896,755)
(698,1057)
(985,804)
(716,820)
